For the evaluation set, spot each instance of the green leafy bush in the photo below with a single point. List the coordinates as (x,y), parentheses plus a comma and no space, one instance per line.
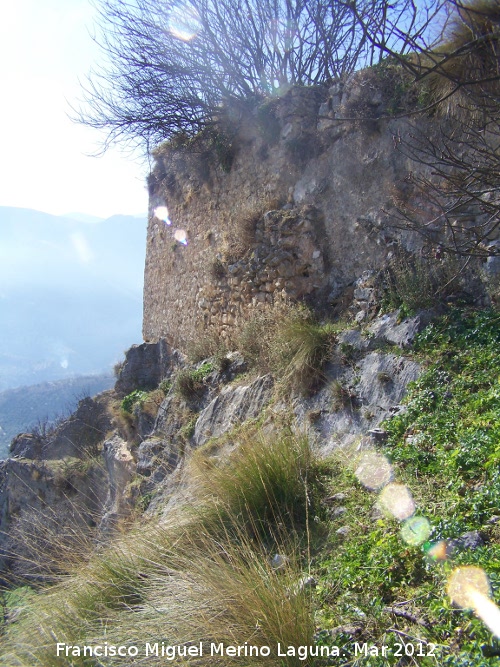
(136,396)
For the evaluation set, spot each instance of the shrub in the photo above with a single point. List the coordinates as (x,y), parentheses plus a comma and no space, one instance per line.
(252,339)
(265,484)
(136,396)
(415,283)
(205,344)
(200,575)
(288,342)
(189,383)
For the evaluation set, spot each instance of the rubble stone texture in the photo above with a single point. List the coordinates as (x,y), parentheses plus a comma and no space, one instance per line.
(301,213)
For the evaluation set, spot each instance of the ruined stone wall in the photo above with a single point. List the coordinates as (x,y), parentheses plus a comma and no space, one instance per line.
(300,212)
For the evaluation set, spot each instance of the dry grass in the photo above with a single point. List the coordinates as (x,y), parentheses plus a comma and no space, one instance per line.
(417,283)
(287,341)
(203,576)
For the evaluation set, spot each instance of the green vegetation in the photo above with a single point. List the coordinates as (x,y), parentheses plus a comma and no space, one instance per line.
(445,449)
(132,399)
(190,382)
(165,386)
(268,515)
(454,415)
(300,348)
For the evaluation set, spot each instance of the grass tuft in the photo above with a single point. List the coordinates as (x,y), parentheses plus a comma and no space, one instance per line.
(203,576)
(289,342)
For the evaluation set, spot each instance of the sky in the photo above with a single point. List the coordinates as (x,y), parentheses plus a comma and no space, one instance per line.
(45,160)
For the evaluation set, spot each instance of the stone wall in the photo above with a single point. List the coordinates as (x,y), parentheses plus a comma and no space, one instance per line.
(300,213)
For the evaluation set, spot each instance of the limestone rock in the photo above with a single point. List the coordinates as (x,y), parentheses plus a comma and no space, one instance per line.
(121,466)
(383,381)
(80,434)
(156,458)
(232,406)
(145,366)
(388,328)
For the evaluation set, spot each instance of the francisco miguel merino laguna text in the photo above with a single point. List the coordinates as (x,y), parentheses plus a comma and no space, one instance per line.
(173,651)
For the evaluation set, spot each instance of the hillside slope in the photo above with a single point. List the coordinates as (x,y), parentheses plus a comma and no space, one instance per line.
(278,512)
(38,406)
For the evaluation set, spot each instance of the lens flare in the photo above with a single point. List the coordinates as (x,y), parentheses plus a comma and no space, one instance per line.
(374,471)
(161,212)
(181,236)
(82,247)
(439,550)
(416,531)
(469,588)
(396,499)
(463,582)
(184,22)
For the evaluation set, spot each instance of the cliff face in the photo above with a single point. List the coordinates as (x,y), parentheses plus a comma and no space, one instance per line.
(300,212)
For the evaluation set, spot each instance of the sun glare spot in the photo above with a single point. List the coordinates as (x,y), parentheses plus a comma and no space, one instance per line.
(438,550)
(161,212)
(469,588)
(184,22)
(374,471)
(464,581)
(416,531)
(181,236)
(396,499)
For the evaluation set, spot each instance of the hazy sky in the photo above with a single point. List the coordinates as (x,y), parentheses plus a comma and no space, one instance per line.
(45,47)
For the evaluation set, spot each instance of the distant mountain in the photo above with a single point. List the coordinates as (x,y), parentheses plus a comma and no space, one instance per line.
(70,294)
(26,408)
(83,217)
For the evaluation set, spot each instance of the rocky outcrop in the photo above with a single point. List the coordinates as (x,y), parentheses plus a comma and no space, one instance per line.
(27,446)
(389,329)
(88,476)
(383,379)
(156,458)
(145,366)
(120,466)
(363,386)
(78,436)
(47,508)
(232,406)
(81,434)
